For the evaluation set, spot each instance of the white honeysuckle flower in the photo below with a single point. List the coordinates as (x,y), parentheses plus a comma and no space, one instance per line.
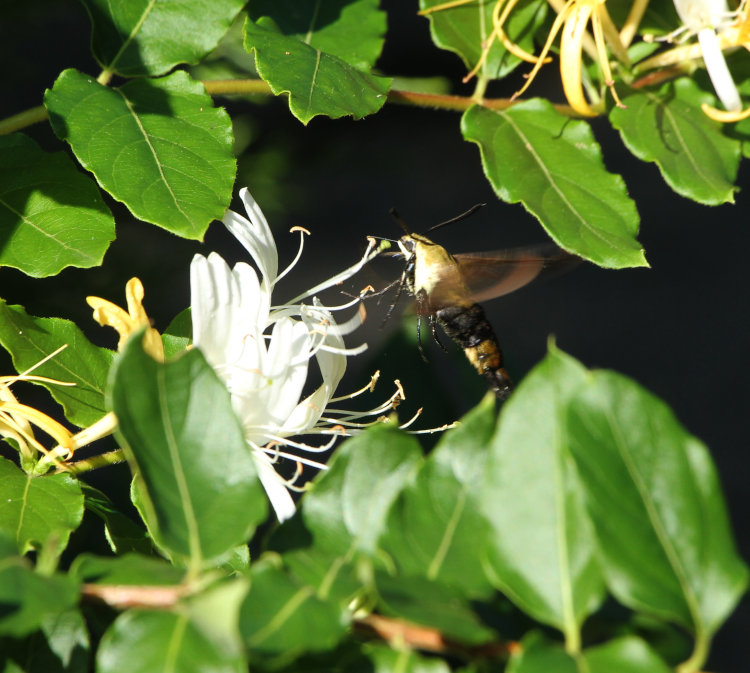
(263,352)
(703,18)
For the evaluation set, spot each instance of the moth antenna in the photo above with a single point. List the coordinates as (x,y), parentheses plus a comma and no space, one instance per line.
(401,223)
(457,218)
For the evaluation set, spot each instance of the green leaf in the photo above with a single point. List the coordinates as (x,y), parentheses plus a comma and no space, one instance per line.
(28,599)
(553,165)
(352,30)
(542,552)
(465,29)
(344,512)
(61,645)
(434,525)
(123,534)
(142,37)
(38,510)
(669,128)
(144,642)
(386,659)
(656,503)
(200,495)
(319,82)
(538,655)
(427,603)
(179,334)
(282,619)
(128,569)
(51,216)
(624,655)
(157,145)
(29,339)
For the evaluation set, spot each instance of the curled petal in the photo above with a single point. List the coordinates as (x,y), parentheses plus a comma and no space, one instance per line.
(125,323)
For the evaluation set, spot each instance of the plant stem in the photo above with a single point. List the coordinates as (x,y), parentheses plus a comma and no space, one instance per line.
(23,119)
(110,458)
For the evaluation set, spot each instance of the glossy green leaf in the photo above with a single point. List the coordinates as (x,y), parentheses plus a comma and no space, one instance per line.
(434,525)
(344,513)
(553,165)
(465,30)
(142,37)
(282,618)
(30,339)
(624,655)
(60,645)
(128,569)
(542,552)
(318,81)
(420,601)
(158,145)
(51,216)
(538,655)
(144,642)
(28,599)
(668,127)
(655,500)
(352,30)
(37,510)
(200,495)
(384,659)
(122,533)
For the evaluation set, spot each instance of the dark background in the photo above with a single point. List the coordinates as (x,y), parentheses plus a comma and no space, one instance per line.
(679,328)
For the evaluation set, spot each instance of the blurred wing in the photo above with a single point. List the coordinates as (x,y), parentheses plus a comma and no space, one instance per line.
(493,274)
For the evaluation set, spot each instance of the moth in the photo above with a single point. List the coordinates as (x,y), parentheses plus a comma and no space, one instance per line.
(448,288)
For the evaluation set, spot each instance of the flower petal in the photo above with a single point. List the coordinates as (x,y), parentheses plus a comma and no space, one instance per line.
(274,486)
(255,235)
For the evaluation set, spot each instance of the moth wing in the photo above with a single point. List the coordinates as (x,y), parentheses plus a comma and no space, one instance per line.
(496,273)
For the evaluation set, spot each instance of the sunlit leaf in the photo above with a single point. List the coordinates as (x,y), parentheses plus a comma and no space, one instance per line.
(144,642)
(334,83)
(624,655)
(668,127)
(538,655)
(38,510)
(158,145)
(51,216)
(30,339)
(542,552)
(655,500)
(282,618)
(200,495)
(434,525)
(553,165)
(345,511)
(128,569)
(142,37)
(466,28)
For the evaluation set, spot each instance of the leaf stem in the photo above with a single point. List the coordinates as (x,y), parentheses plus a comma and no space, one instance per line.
(102,460)
(23,119)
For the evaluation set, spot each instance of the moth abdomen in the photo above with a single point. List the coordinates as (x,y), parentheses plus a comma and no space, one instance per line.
(469,328)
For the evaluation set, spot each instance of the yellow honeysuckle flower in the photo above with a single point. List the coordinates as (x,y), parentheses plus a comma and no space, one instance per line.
(17,420)
(107,313)
(573,18)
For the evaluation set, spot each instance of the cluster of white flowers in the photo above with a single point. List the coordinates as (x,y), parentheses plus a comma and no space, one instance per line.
(263,352)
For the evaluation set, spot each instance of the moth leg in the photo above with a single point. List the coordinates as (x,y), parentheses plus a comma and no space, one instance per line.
(419,338)
(433,328)
(400,282)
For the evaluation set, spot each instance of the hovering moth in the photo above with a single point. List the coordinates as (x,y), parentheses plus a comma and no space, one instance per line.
(447,289)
